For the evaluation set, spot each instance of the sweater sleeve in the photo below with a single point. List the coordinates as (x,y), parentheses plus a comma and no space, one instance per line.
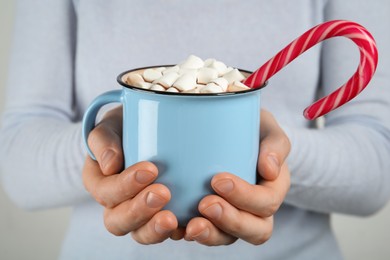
(345,166)
(40,141)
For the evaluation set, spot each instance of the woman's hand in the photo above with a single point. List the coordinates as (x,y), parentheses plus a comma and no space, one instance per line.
(132,203)
(241,210)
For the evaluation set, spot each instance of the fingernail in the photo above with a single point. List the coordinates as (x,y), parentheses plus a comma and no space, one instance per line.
(203,235)
(161,230)
(224,186)
(274,162)
(144,177)
(214,211)
(155,201)
(107,155)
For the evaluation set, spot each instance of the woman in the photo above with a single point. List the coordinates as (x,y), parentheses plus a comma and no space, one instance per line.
(68,52)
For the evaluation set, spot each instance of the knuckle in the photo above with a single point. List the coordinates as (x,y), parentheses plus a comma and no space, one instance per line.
(100,198)
(98,138)
(122,223)
(95,135)
(236,226)
(111,226)
(285,141)
(272,205)
(134,217)
(271,209)
(268,230)
(145,238)
(275,204)
(140,241)
(259,240)
(124,189)
(139,238)
(264,236)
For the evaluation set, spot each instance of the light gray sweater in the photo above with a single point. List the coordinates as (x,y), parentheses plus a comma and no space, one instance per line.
(65,53)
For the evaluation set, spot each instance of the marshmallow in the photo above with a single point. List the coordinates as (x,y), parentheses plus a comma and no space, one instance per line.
(228,69)
(167,79)
(157,87)
(208,62)
(172,89)
(191,76)
(206,75)
(188,71)
(192,62)
(185,82)
(171,69)
(211,88)
(160,69)
(222,82)
(134,78)
(194,90)
(143,84)
(151,74)
(237,86)
(233,75)
(218,66)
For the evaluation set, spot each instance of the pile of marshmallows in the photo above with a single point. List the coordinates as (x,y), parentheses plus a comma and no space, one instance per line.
(193,75)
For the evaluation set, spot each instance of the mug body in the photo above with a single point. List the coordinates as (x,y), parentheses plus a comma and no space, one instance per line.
(191,138)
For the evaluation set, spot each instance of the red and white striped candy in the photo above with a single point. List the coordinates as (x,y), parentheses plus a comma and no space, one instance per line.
(365,71)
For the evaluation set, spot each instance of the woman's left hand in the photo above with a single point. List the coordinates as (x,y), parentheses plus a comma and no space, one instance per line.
(242,210)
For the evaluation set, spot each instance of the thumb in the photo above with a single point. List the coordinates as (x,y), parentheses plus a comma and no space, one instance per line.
(105,142)
(274,147)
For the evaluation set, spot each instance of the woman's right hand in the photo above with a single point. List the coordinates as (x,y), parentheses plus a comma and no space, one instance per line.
(132,202)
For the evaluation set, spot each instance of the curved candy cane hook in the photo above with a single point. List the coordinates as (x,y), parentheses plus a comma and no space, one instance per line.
(365,71)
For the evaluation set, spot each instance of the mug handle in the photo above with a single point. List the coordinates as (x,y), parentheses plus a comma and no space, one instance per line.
(89,118)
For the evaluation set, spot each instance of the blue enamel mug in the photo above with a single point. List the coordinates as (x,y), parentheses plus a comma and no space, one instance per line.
(189,137)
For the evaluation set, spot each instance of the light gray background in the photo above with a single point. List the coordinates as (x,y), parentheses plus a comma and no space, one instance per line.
(38,235)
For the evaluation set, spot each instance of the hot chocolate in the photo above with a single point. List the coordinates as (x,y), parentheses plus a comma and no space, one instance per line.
(193,75)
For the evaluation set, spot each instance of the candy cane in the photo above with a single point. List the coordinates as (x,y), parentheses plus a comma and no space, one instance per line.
(365,71)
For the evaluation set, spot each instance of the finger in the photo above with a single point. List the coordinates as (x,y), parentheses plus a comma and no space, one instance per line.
(238,223)
(260,200)
(132,214)
(274,147)
(162,225)
(204,232)
(282,185)
(111,190)
(105,142)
